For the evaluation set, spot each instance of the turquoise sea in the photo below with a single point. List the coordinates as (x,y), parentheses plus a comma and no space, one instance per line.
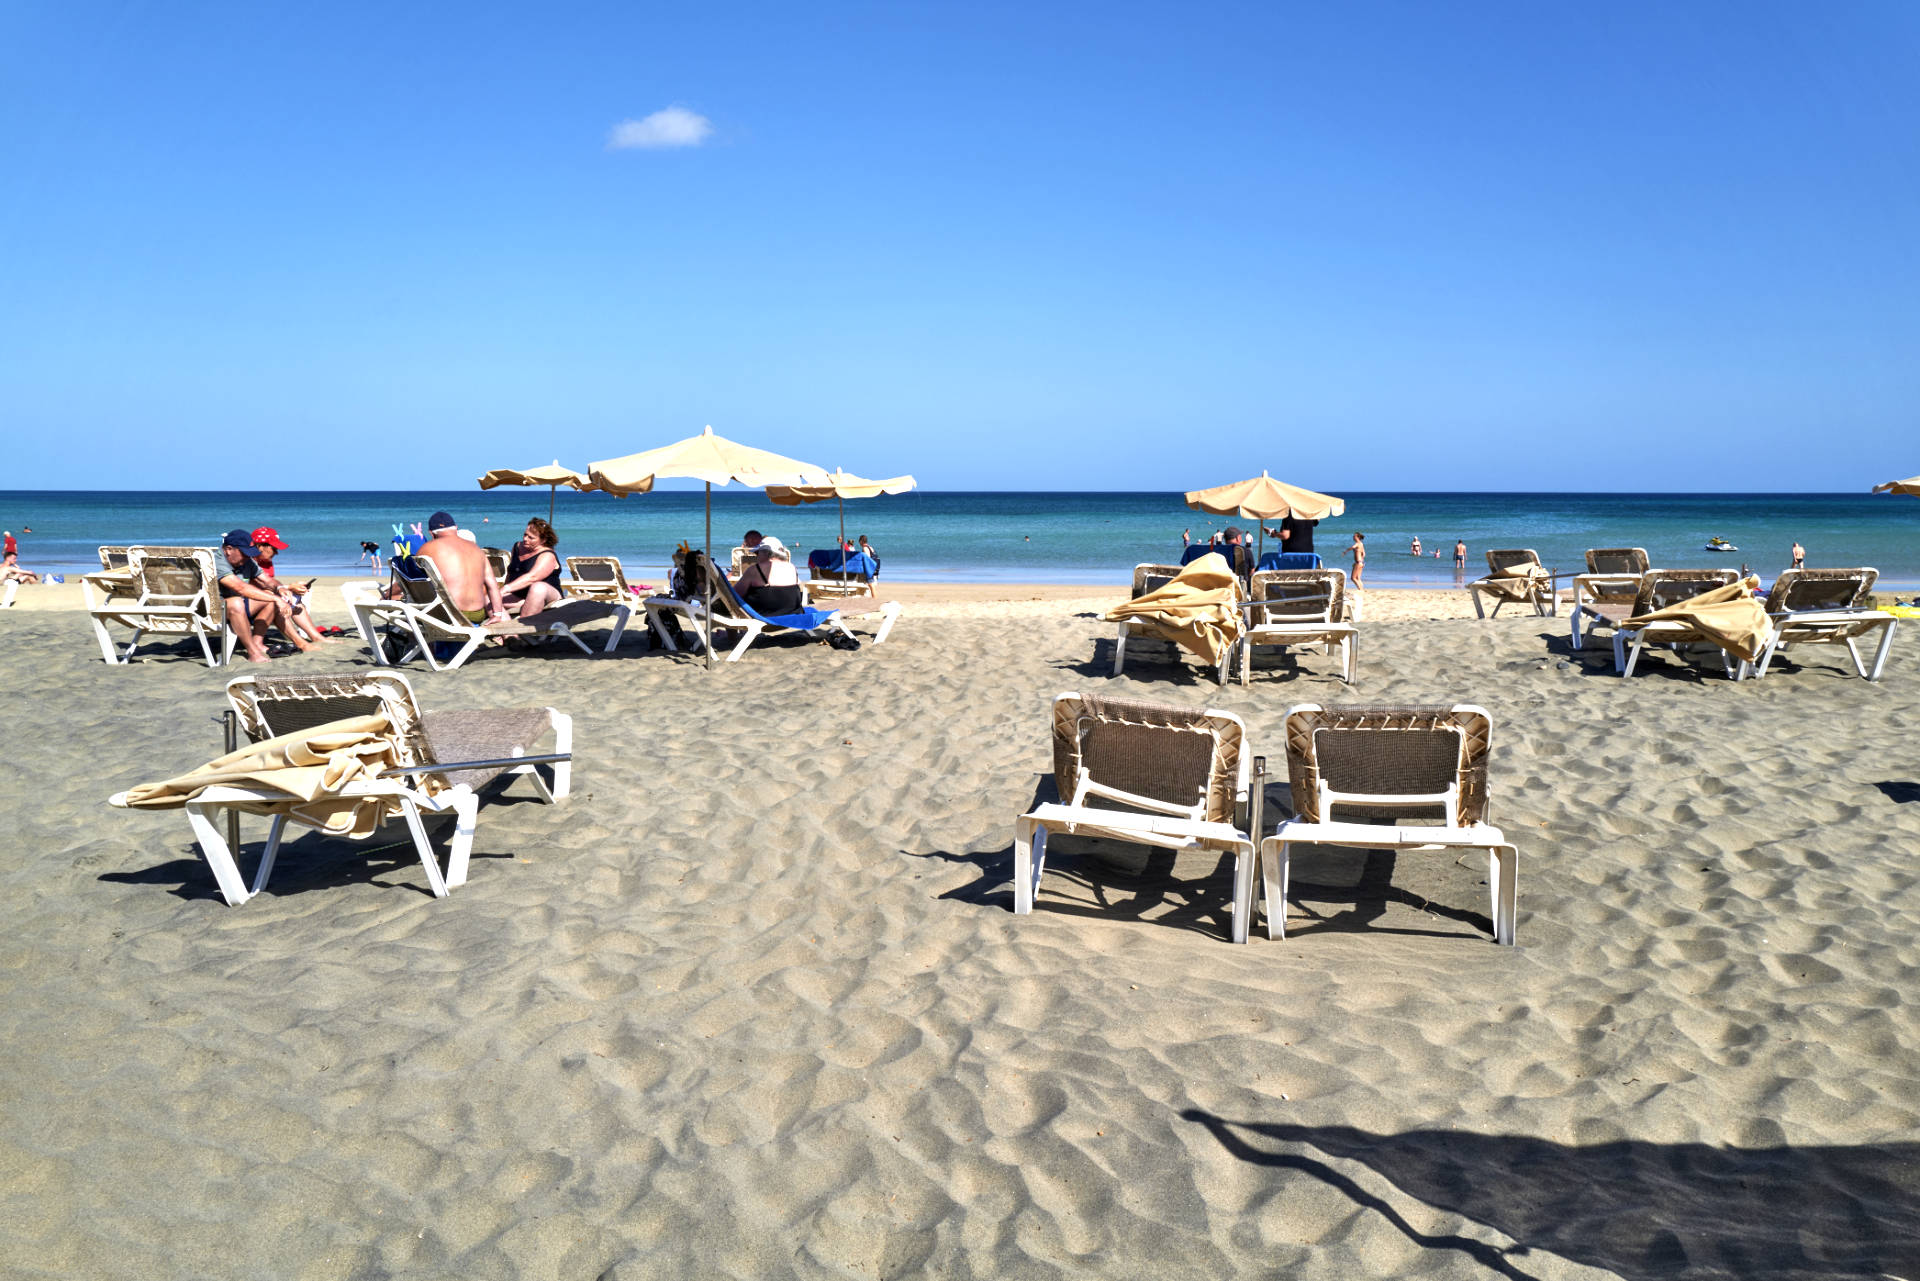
(1022,537)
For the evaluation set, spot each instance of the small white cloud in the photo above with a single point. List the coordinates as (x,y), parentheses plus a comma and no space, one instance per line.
(670,127)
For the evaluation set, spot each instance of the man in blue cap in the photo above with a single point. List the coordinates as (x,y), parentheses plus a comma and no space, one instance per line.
(251,603)
(463,567)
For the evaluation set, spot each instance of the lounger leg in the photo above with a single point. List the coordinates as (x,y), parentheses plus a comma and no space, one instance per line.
(466,812)
(1276,867)
(749,633)
(562,742)
(1479,610)
(621,617)
(1120,650)
(108,650)
(272,852)
(206,650)
(467,650)
(1503,871)
(1244,859)
(1573,625)
(127,655)
(1029,860)
(1350,656)
(1766,655)
(213,848)
(888,612)
(435,882)
(1880,655)
(660,630)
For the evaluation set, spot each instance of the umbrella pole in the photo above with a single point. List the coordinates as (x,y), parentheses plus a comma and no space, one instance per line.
(551,491)
(708,586)
(842,549)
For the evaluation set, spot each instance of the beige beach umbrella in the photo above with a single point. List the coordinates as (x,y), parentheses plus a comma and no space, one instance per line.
(706,457)
(552,476)
(1911,485)
(1263,499)
(842,486)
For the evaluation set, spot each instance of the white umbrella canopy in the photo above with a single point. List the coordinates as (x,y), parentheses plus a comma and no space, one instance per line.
(706,457)
(1263,499)
(1911,485)
(840,485)
(552,476)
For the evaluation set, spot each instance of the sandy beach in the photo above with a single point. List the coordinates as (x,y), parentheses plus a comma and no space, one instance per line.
(753,1001)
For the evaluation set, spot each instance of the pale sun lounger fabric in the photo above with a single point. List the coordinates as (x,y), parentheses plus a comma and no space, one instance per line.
(312,767)
(1732,615)
(1198,611)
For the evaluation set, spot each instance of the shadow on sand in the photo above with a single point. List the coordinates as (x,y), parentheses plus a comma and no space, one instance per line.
(1641,1210)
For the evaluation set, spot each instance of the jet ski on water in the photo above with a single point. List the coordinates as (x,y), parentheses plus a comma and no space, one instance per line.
(1720,545)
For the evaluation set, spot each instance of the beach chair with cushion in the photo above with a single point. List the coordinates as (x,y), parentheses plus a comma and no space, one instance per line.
(1612,577)
(1669,592)
(731,614)
(1299,607)
(1422,767)
(1827,607)
(169,594)
(598,578)
(1654,589)
(832,574)
(1146,774)
(427,616)
(1514,574)
(440,762)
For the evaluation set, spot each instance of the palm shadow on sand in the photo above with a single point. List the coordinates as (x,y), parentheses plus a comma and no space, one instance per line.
(1645,1211)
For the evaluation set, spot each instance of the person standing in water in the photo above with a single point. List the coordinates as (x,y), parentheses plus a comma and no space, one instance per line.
(1358,550)
(1416,544)
(1799,555)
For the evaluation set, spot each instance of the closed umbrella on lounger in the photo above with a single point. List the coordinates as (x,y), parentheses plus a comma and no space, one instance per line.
(706,457)
(552,476)
(1263,499)
(842,486)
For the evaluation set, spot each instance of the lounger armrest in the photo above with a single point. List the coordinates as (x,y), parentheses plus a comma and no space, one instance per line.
(1473,836)
(498,762)
(1090,787)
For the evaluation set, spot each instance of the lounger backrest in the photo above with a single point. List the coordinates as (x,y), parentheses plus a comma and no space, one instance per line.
(1508,557)
(496,562)
(1660,588)
(1411,750)
(1821,589)
(1298,595)
(269,706)
(1617,560)
(1173,754)
(113,558)
(597,571)
(1148,578)
(182,578)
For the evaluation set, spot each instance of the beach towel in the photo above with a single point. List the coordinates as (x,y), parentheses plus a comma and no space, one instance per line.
(1731,616)
(1517,582)
(1198,611)
(311,769)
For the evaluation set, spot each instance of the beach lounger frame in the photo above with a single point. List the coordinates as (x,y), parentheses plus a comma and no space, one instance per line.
(1660,588)
(1656,588)
(599,578)
(268,706)
(1612,577)
(1827,607)
(174,592)
(428,615)
(1540,592)
(1410,759)
(733,614)
(1141,744)
(1299,607)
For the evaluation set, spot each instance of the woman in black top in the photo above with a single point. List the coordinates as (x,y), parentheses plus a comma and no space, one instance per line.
(533,571)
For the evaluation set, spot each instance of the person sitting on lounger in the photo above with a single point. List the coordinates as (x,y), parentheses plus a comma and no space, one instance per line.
(769,586)
(533,570)
(268,541)
(754,540)
(252,604)
(463,567)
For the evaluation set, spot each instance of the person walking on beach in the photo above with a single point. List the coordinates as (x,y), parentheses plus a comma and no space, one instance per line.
(1416,544)
(1799,555)
(1358,550)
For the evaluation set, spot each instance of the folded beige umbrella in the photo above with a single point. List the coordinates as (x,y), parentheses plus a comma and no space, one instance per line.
(312,769)
(1732,616)
(706,457)
(1198,611)
(1911,485)
(1263,499)
(552,476)
(842,486)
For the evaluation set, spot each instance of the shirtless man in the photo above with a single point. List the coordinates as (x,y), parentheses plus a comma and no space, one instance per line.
(464,567)
(1459,553)
(1799,555)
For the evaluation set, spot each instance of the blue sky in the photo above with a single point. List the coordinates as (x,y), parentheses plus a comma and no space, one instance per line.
(1099,246)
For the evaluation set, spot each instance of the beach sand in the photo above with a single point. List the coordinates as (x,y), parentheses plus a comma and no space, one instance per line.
(753,1001)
